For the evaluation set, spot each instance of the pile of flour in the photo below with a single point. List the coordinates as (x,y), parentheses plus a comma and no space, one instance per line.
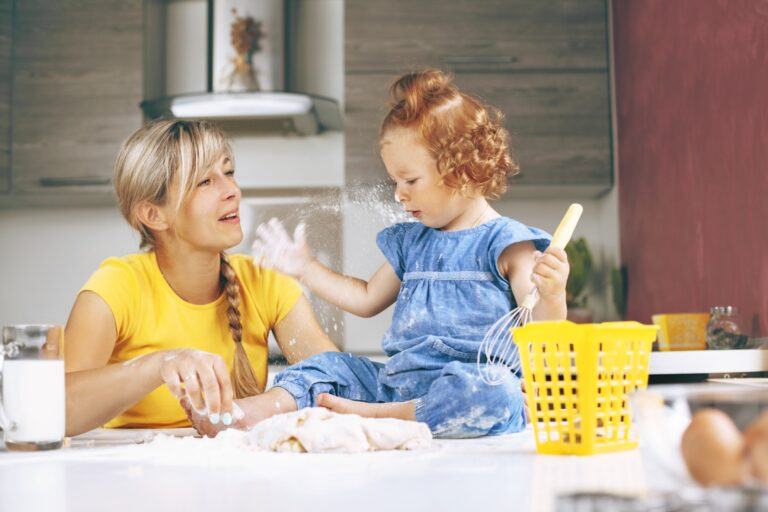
(315,430)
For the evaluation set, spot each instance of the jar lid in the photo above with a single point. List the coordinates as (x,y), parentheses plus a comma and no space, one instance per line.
(724,310)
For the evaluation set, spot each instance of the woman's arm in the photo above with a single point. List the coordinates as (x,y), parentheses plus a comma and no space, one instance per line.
(97,392)
(292,256)
(299,336)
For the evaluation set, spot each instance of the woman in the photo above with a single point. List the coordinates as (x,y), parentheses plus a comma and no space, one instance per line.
(181,321)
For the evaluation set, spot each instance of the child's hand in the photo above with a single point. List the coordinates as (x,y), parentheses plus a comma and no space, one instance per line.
(274,248)
(550,274)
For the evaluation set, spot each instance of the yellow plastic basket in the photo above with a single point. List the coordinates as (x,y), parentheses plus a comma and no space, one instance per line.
(577,377)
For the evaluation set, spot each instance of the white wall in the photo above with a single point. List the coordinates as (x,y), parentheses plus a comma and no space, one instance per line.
(47,255)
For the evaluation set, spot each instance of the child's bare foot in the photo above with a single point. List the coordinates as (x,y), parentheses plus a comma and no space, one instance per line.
(399,410)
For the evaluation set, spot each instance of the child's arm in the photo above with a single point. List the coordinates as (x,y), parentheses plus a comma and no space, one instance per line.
(525,267)
(275,248)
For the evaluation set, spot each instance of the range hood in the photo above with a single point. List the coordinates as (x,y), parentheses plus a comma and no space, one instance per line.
(309,114)
(185,75)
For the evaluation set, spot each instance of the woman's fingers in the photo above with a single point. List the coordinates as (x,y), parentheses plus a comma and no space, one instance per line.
(171,378)
(225,390)
(192,388)
(211,392)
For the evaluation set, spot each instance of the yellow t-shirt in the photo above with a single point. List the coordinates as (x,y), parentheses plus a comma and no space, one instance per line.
(149,316)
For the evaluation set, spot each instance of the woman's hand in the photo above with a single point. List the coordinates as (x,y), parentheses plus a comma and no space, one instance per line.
(274,248)
(550,274)
(202,379)
(203,423)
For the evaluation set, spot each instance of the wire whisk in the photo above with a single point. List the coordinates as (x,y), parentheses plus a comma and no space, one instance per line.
(498,354)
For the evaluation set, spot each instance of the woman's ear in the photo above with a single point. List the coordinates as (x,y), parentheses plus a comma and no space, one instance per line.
(152,216)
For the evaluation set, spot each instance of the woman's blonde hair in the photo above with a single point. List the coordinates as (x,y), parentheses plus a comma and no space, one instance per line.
(155,157)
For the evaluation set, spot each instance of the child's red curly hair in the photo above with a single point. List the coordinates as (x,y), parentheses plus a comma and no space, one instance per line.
(465,136)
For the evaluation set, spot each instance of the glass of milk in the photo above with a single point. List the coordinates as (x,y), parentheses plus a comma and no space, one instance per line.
(32,387)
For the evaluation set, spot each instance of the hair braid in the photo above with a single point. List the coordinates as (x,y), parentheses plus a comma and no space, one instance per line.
(243,379)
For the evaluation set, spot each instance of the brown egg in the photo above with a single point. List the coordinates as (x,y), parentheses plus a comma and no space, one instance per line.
(713,449)
(756,446)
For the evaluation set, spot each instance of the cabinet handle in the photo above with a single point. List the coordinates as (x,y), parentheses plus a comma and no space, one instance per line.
(73,182)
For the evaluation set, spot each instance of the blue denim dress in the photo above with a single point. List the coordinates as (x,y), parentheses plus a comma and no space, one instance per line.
(451,293)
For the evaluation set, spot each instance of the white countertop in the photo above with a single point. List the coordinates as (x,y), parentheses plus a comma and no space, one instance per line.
(709,361)
(106,470)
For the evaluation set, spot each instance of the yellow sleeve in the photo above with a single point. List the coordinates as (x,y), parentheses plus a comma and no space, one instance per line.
(116,283)
(280,294)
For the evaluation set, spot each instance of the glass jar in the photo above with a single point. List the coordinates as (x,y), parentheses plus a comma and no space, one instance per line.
(724,329)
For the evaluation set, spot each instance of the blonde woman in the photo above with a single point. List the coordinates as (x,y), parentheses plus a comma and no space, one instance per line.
(181,320)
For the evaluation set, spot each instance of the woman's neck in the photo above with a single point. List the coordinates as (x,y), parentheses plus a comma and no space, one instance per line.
(195,276)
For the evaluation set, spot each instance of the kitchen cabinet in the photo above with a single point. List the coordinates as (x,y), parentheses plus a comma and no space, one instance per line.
(544,64)
(6,27)
(77,85)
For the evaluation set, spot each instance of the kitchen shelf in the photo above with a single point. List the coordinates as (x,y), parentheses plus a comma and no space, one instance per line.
(307,113)
(689,362)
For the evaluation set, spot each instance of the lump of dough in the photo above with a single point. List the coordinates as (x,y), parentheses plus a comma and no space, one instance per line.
(319,430)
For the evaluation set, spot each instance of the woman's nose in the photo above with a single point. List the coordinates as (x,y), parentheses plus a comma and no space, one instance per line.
(231,190)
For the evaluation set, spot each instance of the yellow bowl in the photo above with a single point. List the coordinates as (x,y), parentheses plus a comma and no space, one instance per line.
(682,331)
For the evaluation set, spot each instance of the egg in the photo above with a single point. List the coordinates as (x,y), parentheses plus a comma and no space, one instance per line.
(756,447)
(713,449)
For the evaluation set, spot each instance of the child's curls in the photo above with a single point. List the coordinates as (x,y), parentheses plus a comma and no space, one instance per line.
(465,136)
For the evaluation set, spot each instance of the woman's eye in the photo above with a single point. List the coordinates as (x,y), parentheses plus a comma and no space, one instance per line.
(204,183)
(230,173)
(411,182)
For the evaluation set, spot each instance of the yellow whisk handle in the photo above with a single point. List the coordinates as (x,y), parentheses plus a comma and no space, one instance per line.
(530,301)
(564,231)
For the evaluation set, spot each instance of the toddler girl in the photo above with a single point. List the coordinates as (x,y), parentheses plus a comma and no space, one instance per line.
(452,274)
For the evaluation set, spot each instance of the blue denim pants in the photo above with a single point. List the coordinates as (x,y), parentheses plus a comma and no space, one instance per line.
(452,398)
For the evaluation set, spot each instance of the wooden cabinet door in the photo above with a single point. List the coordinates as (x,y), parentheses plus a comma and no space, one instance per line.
(544,64)
(693,187)
(6,27)
(77,83)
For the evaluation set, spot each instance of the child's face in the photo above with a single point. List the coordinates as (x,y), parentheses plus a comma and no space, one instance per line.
(205,219)
(417,182)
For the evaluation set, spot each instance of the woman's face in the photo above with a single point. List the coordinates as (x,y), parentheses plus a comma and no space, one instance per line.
(209,217)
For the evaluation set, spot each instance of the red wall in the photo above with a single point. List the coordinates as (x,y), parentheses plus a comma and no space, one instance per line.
(692,111)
